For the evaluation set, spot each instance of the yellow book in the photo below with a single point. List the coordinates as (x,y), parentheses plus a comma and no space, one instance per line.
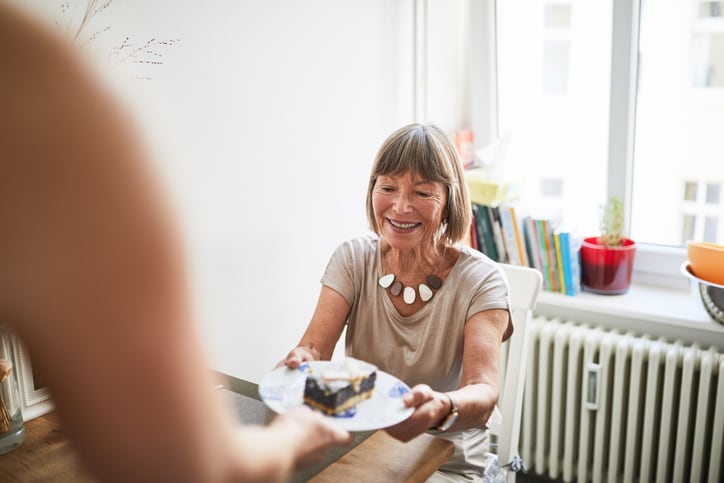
(559,265)
(519,239)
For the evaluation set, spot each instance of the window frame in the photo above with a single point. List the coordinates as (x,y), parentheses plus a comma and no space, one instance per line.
(657,265)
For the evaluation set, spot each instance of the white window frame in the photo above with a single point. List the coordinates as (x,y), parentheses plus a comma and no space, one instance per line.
(655,264)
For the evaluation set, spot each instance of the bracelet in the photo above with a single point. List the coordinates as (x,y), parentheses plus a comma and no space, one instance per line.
(449,420)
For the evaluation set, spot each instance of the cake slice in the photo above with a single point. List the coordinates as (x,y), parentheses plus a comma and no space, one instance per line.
(336,390)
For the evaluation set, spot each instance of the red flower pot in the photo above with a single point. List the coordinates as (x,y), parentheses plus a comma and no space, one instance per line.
(606,270)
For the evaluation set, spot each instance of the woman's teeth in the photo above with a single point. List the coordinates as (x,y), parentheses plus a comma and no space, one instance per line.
(404,226)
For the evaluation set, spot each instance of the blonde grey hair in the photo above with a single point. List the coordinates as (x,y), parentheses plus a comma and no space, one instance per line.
(425,150)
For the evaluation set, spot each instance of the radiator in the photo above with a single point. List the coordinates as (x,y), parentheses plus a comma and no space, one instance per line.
(601,405)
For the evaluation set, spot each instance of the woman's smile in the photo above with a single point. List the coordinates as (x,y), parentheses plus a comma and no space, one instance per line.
(403,225)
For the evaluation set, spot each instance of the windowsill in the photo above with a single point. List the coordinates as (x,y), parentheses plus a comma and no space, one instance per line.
(644,309)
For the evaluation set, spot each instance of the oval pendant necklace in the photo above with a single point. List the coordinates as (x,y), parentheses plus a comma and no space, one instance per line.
(425,290)
(408,293)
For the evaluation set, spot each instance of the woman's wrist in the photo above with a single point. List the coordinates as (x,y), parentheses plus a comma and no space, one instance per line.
(449,417)
(314,354)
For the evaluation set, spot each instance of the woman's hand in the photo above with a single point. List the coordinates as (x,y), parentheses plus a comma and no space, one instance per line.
(297,356)
(429,407)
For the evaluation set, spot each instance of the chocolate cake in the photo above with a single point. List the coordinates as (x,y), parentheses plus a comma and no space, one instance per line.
(336,391)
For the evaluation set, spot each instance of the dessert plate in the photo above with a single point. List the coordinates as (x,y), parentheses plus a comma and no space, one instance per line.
(283,389)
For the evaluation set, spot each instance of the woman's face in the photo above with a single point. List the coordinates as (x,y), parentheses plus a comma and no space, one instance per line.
(408,209)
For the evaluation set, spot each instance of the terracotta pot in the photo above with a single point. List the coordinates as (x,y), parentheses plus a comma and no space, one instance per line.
(606,270)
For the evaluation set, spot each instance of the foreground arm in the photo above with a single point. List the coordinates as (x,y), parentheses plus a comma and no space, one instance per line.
(93,281)
(479,385)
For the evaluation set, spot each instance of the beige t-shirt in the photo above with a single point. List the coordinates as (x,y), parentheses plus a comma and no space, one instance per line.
(426,347)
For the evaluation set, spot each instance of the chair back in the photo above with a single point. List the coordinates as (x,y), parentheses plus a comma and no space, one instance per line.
(524,284)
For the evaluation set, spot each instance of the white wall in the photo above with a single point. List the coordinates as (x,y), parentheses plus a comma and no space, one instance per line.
(266,117)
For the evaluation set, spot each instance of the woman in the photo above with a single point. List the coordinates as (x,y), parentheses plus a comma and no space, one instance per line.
(417,303)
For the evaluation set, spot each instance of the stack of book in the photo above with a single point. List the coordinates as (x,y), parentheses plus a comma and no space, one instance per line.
(498,232)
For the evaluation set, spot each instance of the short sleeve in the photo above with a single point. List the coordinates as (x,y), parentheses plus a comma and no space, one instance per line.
(492,293)
(339,274)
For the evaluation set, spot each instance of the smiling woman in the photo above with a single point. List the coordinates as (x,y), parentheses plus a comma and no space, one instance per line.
(416,302)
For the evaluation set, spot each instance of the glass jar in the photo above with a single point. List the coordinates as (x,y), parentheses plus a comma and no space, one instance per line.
(12,430)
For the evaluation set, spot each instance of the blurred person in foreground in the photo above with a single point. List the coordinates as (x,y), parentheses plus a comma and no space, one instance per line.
(416,302)
(92,279)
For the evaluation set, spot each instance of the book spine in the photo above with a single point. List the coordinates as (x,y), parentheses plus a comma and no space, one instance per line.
(559,263)
(531,235)
(509,237)
(494,217)
(485,233)
(567,261)
(547,284)
(520,241)
(486,229)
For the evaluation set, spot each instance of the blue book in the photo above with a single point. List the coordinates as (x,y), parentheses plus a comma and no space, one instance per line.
(565,244)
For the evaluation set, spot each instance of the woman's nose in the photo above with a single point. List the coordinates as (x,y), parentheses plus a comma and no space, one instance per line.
(402,202)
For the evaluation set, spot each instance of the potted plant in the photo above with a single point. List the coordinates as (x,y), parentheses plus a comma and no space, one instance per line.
(607,259)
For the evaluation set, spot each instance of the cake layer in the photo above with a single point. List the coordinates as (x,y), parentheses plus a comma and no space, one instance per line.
(333,397)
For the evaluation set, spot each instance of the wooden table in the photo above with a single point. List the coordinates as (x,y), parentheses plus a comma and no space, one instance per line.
(383,458)
(46,455)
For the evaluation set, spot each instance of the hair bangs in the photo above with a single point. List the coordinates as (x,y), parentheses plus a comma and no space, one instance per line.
(415,152)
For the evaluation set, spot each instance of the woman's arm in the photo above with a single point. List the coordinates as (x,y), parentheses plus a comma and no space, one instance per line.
(326,326)
(479,387)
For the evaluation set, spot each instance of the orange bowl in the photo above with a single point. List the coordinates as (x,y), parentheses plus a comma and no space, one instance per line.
(706,261)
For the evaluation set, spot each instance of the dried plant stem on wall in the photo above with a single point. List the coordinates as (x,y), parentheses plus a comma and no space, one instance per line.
(75,24)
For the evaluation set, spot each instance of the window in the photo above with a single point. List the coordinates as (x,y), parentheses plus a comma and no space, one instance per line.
(553,96)
(700,211)
(620,98)
(679,111)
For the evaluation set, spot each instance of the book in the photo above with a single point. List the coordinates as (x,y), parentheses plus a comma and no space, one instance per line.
(509,228)
(494,217)
(564,238)
(519,238)
(533,246)
(551,250)
(486,242)
(559,262)
(543,250)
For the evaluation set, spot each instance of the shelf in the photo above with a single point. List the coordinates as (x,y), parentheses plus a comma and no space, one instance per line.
(658,312)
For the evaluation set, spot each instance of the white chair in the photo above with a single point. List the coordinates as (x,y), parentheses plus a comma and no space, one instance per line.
(525,284)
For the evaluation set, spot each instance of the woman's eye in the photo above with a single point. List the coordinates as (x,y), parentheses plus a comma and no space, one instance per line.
(387,189)
(424,194)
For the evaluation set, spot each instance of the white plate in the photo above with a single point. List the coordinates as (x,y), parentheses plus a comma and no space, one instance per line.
(283,389)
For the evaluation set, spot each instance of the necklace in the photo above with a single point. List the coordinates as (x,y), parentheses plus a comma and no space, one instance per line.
(408,293)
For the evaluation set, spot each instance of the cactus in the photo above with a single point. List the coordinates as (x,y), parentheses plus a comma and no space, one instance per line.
(612,223)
